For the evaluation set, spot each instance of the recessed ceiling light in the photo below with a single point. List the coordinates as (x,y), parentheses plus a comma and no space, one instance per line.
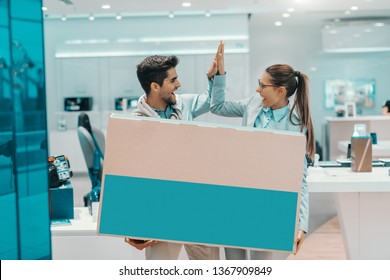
(171,15)
(278,23)
(186,4)
(106,7)
(379,24)
(91,17)
(63,18)
(354,8)
(286,15)
(290,10)
(118,17)
(207,14)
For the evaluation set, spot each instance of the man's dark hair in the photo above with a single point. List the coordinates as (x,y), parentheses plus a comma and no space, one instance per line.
(154,69)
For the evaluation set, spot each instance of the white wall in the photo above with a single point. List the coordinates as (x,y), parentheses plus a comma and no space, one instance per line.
(301,47)
(106,69)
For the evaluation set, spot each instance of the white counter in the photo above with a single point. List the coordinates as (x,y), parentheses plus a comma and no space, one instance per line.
(380,150)
(363,207)
(336,180)
(79,241)
(341,129)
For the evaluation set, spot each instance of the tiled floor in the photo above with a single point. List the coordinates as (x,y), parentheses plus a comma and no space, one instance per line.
(326,243)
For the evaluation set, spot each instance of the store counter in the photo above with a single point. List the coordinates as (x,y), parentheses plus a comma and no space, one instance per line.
(363,207)
(341,129)
(79,241)
(380,150)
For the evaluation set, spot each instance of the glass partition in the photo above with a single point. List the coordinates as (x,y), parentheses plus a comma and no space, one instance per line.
(24,205)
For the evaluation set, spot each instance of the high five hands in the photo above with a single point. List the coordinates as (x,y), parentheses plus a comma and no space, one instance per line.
(217,66)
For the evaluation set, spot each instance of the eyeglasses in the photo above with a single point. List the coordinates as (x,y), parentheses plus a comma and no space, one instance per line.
(262,86)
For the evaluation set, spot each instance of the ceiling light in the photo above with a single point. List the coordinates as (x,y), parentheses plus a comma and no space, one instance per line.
(333,31)
(186,4)
(192,38)
(207,14)
(354,8)
(290,10)
(278,23)
(286,15)
(118,17)
(91,17)
(347,12)
(379,24)
(125,40)
(171,15)
(106,7)
(63,18)
(44,9)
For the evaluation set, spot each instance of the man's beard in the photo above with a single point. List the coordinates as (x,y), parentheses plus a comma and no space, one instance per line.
(171,100)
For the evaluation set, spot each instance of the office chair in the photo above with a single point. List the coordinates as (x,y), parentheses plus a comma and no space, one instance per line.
(92,145)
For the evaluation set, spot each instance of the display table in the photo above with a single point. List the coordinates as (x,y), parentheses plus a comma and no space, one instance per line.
(79,241)
(363,207)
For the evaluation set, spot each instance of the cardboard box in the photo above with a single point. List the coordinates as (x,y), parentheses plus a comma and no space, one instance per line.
(61,203)
(199,183)
(361,154)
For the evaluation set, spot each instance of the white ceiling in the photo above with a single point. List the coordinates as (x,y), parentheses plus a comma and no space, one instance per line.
(313,9)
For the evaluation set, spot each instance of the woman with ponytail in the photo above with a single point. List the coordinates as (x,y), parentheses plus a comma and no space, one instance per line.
(271,108)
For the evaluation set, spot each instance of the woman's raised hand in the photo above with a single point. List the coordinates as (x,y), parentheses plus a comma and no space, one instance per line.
(221,59)
(215,67)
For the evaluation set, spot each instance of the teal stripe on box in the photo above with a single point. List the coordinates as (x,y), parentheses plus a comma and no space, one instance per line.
(200,213)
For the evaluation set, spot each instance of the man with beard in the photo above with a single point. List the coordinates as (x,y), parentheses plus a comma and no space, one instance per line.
(158,78)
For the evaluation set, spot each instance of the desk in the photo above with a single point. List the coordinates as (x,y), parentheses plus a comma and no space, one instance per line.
(79,241)
(363,207)
(380,150)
